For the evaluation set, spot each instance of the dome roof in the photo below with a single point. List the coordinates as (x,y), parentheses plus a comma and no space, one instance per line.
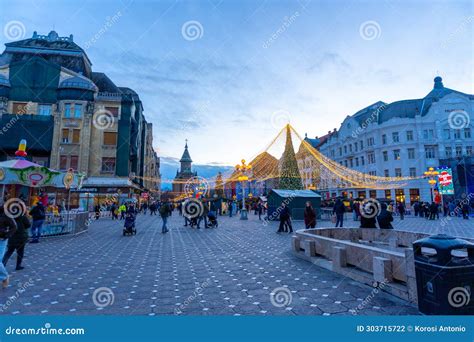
(77,82)
(4,82)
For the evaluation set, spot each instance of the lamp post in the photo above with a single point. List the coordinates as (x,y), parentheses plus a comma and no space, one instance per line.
(431,175)
(243,169)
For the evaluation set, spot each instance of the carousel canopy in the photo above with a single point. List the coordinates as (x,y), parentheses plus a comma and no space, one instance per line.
(23,172)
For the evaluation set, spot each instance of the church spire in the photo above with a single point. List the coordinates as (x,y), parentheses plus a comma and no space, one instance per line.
(186,157)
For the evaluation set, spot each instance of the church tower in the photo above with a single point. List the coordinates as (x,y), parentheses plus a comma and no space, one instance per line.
(184,173)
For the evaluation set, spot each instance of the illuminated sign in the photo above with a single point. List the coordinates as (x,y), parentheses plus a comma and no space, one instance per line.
(445,182)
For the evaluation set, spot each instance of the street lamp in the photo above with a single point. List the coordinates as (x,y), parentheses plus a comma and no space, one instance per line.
(431,175)
(243,169)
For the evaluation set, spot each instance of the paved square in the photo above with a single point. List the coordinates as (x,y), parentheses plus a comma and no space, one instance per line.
(231,270)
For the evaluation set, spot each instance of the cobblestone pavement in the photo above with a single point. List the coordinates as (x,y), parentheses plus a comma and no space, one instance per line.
(230,270)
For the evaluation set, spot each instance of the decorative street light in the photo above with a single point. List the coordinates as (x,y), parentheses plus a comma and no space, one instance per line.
(243,169)
(431,175)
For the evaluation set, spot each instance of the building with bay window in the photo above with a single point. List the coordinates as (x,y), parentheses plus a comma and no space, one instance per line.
(74,117)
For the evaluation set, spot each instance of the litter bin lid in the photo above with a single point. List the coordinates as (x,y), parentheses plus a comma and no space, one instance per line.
(443,245)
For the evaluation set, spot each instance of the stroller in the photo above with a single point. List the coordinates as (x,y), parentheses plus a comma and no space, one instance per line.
(212,220)
(129,225)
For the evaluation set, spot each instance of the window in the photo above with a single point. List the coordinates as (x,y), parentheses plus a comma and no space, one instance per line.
(384,139)
(77,110)
(67,110)
(63,162)
(110,138)
(386,173)
(65,136)
(447,133)
(457,134)
(373,193)
(398,172)
(108,165)
(449,151)
(469,150)
(73,110)
(362,161)
(370,141)
(385,156)
(396,154)
(409,135)
(412,171)
(44,109)
(20,108)
(430,152)
(428,134)
(340,151)
(112,110)
(345,149)
(76,136)
(414,195)
(373,173)
(355,147)
(350,147)
(361,144)
(371,158)
(395,137)
(357,161)
(74,162)
(458,151)
(350,163)
(411,153)
(467,132)
(345,163)
(388,194)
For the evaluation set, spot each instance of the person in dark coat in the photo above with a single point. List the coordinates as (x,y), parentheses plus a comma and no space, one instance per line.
(339,209)
(385,218)
(367,221)
(401,210)
(7,229)
(309,216)
(18,241)
(38,214)
(285,219)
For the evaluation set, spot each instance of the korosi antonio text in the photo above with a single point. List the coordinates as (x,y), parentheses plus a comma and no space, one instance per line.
(440,328)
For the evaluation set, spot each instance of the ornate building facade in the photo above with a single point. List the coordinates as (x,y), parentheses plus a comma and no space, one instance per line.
(74,117)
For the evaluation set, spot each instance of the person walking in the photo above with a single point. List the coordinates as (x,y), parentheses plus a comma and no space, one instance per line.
(230,206)
(18,241)
(309,216)
(433,210)
(401,210)
(7,229)
(339,209)
(122,210)
(38,214)
(285,220)
(165,212)
(203,216)
(385,217)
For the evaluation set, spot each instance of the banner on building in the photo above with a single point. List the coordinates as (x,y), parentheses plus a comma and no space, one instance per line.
(445,182)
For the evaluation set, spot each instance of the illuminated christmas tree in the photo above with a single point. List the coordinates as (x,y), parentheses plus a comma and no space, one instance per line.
(290,177)
(219,186)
